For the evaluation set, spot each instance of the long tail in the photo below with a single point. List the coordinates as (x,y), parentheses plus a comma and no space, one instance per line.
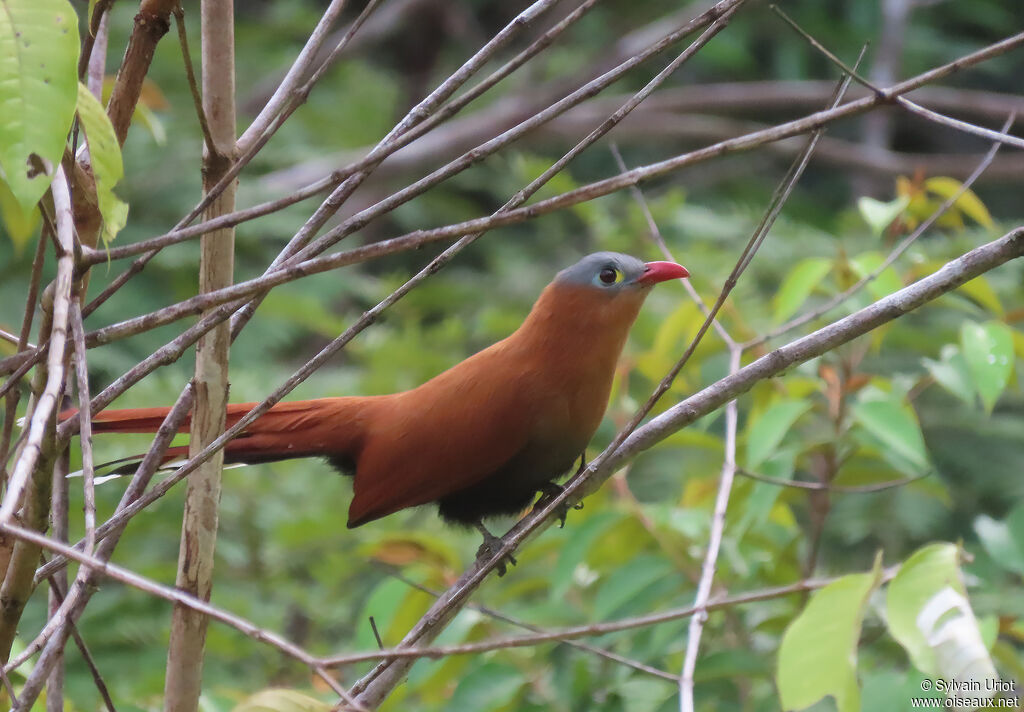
(328,427)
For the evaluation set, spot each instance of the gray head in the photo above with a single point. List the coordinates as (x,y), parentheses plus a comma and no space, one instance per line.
(614,271)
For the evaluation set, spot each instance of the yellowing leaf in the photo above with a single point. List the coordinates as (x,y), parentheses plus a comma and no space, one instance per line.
(969,204)
(19,224)
(105,154)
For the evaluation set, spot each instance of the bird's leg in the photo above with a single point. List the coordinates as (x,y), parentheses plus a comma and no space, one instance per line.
(490,547)
(550,490)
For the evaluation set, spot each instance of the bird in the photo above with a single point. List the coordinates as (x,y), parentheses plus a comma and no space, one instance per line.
(480,439)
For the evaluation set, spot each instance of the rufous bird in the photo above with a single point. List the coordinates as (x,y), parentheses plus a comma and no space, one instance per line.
(480,439)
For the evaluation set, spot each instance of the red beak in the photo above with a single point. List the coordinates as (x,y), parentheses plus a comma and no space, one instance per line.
(660,271)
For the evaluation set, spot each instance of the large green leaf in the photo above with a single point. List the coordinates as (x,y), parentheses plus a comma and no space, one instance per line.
(895,425)
(107,168)
(769,428)
(38,91)
(818,656)
(798,285)
(988,349)
(929,615)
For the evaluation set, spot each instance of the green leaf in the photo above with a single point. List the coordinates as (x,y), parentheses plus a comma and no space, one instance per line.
(928,571)
(879,215)
(885,283)
(952,373)
(928,613)
(487,687)
(818,655)
(798,285)
(645,694)
(575,549)
(770,427)
(969,204)
(38,80)
(988,349)
(19,224)
(281,700)
(626,583)
(895,424)
(105,154)
(1000,541)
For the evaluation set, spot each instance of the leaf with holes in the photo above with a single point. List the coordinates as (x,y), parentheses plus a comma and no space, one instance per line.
(38,80)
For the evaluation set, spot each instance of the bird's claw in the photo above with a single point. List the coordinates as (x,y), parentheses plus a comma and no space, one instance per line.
(491,546)
(547,493)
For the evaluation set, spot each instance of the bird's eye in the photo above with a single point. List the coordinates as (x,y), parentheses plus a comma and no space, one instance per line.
(609,275)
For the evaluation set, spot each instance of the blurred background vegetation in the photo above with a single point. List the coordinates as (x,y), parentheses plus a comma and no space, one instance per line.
(286,559)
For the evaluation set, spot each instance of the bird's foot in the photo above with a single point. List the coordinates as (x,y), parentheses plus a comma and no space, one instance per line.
(547,493)
(490,547)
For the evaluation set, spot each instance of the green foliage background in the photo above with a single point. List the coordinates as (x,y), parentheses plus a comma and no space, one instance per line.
(286,560)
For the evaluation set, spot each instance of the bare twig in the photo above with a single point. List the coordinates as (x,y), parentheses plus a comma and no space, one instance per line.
(707,573)
(190,76)
(48,399)
(902,101)
(826,487)
(85,424)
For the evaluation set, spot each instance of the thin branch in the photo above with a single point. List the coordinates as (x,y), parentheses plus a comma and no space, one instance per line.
(707,573)
(190,77)
(48,399)
(826,487)
(294,76)
(85,424)
(901,101)
(90,662)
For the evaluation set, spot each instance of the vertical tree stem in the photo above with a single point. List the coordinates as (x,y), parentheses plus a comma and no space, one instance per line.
(199,524)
